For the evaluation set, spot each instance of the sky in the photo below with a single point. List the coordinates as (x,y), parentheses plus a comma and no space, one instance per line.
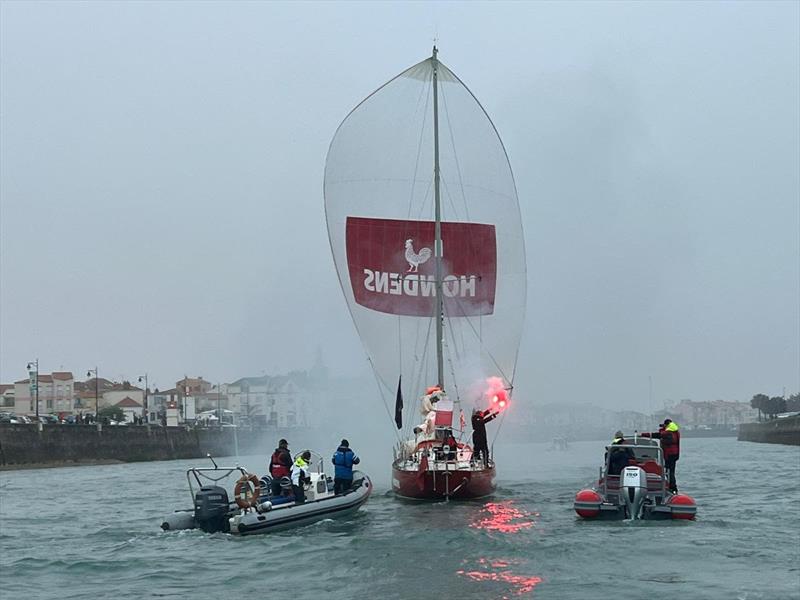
(161,169)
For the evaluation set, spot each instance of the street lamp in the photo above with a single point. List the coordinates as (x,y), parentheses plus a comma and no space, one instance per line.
(146,390)
(96,392)
(219,407)
(34,377)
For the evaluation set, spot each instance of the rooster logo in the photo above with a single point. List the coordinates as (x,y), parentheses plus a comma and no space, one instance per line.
(414,259)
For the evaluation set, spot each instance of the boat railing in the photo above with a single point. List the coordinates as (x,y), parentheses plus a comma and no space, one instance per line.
(205,473)
(645,444)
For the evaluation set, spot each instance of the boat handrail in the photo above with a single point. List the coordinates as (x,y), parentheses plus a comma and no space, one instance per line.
(198,472)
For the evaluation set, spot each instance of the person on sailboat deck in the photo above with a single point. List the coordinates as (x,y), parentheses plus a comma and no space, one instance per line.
(427,429)
(450,441)
(479,441)
(300,476)
(343,460)
(280,466)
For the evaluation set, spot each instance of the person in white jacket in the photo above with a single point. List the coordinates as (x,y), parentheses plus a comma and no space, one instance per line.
(300,476)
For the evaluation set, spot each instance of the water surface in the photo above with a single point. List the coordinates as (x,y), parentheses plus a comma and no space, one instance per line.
(92,532)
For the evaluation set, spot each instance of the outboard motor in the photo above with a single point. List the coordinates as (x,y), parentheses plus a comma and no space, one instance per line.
(633,489)
(211,509)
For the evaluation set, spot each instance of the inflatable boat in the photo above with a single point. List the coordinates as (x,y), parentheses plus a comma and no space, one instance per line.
(639,490)
(254,509)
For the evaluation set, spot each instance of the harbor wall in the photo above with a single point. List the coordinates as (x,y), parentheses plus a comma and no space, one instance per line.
(775,431)
(54,445)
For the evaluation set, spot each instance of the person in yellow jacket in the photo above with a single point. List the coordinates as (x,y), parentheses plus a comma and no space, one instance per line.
(300,476)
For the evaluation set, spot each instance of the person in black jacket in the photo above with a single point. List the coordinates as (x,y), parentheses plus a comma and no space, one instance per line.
(479,441)
(619,457)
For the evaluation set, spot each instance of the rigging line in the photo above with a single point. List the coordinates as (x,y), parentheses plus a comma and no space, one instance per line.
(450,197)
(379,381)
(499,426)
(455,153)
(425,90)
(425,198)
(489,354)
(378,180)
(418,400)
(450,359)
(461,332)
(497,193)
(415,363)
(400,344)
(463,341)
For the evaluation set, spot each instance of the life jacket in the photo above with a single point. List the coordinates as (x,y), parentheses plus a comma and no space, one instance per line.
(343,460)
(280,463)
(299,471)
(671,441)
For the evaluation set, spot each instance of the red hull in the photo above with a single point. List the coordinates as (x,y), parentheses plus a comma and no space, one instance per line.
(440,484)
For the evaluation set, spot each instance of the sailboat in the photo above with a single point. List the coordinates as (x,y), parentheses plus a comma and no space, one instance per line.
(425,230)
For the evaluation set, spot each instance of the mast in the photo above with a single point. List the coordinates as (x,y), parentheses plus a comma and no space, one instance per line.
(438,226)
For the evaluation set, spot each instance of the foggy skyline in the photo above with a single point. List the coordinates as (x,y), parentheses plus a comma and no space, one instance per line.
(161,204)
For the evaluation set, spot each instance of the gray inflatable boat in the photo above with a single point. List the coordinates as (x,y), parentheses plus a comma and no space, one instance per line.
(254,510)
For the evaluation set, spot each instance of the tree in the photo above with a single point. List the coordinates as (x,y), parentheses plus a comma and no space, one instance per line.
(793,403)
(760,402)
(775,406)
(111,412)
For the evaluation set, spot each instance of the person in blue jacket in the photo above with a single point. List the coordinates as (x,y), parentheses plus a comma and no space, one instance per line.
(343,459)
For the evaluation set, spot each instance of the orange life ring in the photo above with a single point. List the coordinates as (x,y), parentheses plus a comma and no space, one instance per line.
(247,497)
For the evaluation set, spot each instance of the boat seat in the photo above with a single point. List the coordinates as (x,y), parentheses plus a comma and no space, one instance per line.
(653,482)
(652,467)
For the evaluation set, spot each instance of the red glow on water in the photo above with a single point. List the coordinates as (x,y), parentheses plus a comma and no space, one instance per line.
(503,517)
(498,571)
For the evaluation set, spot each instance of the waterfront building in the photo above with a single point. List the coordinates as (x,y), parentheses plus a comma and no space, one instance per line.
(281,401)
(56,394)
(130,408)
(715,414)
(7,397)
(120,391)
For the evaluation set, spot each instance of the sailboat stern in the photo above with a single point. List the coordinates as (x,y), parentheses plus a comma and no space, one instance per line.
(433,481)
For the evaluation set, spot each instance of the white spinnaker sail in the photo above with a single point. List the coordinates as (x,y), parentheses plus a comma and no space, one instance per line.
(379,201)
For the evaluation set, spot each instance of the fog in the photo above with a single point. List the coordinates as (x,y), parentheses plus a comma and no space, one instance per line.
(161,203)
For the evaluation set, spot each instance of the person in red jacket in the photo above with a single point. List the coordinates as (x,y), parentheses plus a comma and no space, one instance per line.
(670,437)
(280,466)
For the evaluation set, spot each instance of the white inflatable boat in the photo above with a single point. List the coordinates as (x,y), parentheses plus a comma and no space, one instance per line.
(254,510)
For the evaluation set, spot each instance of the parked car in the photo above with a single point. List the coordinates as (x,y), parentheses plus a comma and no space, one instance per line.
(7,417)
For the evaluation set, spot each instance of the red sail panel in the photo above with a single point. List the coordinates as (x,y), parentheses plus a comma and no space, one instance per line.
(392,267)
